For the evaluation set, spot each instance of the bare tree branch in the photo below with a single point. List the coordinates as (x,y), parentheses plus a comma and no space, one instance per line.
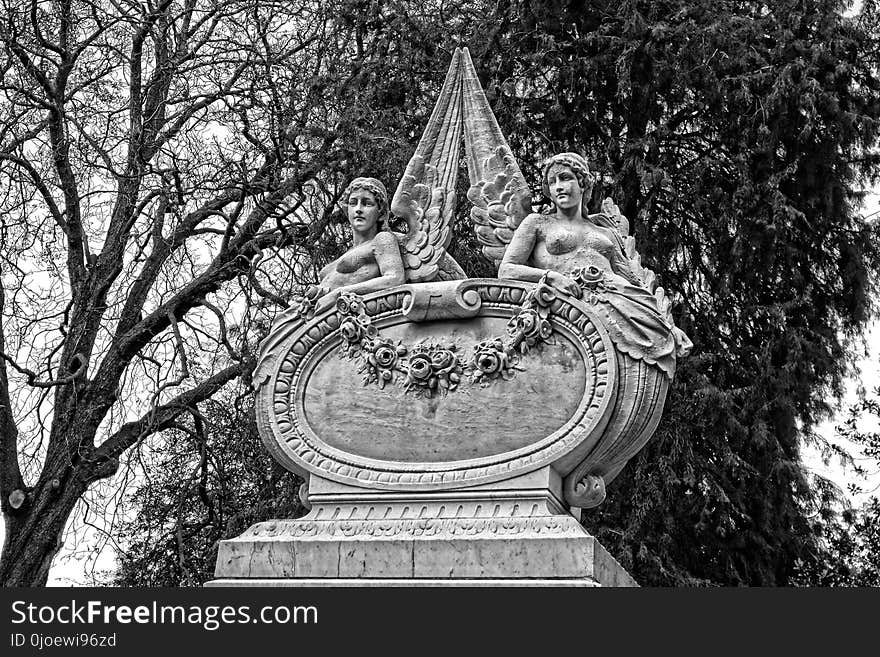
(37,179)
(161,417)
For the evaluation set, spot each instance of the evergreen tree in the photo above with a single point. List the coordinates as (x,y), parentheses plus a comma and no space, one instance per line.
(851,536)
(732,135)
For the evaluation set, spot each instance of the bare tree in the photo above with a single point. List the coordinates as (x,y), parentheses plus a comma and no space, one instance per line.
(153,157)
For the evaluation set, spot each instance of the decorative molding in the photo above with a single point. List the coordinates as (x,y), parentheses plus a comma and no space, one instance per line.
(287,435)
(434,367)
(543,525)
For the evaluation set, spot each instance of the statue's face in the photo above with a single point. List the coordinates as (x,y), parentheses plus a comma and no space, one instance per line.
(363,210)
(565,191)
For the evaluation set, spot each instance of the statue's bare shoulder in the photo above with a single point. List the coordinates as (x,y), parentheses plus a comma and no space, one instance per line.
(385,240)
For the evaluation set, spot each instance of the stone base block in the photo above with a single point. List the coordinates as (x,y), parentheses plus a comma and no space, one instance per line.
(514,532)
(429,550)
(405,583)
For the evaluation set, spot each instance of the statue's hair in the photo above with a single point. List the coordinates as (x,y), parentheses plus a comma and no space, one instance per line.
(581,171)
(377,189)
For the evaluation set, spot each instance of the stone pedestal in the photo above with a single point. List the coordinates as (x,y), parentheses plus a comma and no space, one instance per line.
(511,533)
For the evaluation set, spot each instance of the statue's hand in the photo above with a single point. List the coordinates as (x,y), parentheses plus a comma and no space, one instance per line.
(326,300)
(564,283)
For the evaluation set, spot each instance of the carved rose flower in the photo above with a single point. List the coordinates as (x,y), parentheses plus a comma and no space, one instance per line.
(420,367)
(489,361)
(349,303)
(351,330)
(379,360)
(385,355)
(529,322)
(443,360)
(589,277)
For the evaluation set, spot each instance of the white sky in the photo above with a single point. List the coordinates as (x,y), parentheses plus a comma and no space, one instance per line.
(834,470)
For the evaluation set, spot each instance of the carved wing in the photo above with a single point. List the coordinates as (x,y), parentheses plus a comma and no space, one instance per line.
(612,218)
(425,196)
(499,193)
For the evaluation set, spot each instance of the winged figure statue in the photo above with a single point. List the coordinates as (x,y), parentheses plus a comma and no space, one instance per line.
(569,248)
(425,199)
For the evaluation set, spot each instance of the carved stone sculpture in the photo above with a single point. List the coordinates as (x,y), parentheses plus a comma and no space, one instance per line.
(450,429)
(373,263)
(425,198)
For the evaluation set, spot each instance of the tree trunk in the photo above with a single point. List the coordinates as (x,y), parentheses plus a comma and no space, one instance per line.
(34,531)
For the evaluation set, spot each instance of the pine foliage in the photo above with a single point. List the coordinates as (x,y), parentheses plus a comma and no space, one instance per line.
(733,135)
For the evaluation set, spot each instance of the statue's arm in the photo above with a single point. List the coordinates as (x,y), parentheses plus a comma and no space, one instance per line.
(519,251)
(386,250)
(516,256)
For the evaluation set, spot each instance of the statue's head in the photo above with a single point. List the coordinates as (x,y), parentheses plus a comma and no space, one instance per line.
(578,166)
(374,187)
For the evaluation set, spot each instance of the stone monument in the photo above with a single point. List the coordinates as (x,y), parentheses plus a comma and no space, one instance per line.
(450,430)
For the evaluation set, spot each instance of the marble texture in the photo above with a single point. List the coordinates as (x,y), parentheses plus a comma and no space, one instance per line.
(409,583)
(512,532)
(498,549)
(347,415)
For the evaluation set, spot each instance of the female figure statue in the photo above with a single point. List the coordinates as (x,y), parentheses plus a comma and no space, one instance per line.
(569,239)
(425,199)
(380,259)
(583,254)
(373,262)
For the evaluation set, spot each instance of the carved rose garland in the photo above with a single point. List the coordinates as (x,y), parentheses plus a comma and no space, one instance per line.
(430,368)
(433,367)
(379,358)
(498,357)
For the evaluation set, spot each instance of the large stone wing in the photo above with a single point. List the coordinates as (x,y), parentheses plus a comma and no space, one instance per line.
(500,196)
(425,196)
(611,217)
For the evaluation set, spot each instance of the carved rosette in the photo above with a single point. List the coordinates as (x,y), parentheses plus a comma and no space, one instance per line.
(613,409)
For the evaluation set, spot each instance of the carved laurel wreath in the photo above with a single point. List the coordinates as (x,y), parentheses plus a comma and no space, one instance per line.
(430,368)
